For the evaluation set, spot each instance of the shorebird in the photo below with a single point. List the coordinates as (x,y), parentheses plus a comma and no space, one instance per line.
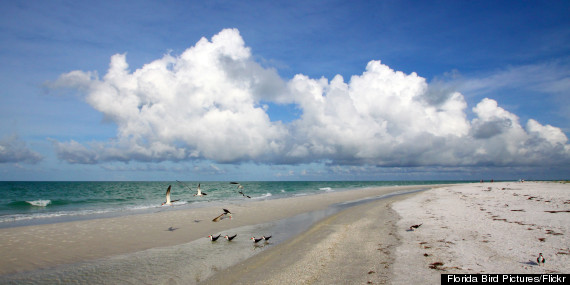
(168,201)
(200,193)
(540,259)
(230,238)
(266,238)
(222,215)
(239,187)
(213,238)
(256,240)
(415,226)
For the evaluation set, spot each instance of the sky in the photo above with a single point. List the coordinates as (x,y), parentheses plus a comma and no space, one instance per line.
(284,90)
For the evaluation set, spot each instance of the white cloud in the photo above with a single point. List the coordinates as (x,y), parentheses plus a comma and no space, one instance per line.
(201,104)
(376,118)
(548,133)
(14,150)
(207,103)
(551,77)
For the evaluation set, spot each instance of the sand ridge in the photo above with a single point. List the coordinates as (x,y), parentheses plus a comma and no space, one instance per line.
(354,246)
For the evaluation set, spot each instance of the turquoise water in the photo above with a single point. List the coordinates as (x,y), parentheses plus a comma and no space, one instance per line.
(24,203)
(187,263)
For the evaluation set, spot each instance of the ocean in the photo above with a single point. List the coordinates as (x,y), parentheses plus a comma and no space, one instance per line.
(32,203)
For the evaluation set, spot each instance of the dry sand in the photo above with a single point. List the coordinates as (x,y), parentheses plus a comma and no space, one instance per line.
(45,246)
(468,228)
(487,228)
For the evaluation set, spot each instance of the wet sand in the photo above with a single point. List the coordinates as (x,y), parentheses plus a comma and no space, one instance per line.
(354,246)
(468,228)
(31,248)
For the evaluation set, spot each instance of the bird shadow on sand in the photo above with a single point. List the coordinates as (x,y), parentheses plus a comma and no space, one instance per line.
(171,229)
(258,246)
(530,262)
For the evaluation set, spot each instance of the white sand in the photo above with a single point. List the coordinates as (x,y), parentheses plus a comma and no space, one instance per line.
(468,228)
(350,247)
(46,246)
(481,228)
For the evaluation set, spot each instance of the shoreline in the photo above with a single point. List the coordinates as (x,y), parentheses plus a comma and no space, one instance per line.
(335,237)
(353,246)
(33,248)
(37,215)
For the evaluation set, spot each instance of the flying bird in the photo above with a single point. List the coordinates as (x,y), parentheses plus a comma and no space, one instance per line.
(223,215)
(230,238)
(239,187)
(415,226)
(540,259)
(213,238)
(168,201)
(256,240)
(200,193)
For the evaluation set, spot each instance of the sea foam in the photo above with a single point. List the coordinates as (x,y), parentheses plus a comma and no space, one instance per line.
(264,196)
(39,203)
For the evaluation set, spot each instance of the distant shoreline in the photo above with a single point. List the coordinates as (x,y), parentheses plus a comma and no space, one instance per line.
(47,246)
(74,204)
(369,240)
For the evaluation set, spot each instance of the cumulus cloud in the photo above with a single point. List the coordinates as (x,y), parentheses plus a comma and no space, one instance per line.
(207,103)
(202,104)
(14,150)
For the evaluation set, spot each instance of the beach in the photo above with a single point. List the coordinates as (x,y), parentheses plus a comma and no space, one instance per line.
(317,239)
(485,228)
(46,252)
(478,228)
(351,247)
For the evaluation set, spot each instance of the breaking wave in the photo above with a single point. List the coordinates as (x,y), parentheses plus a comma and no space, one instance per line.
(39,203)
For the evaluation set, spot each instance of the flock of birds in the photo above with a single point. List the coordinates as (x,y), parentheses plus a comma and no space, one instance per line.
(540,259)
(230,238)
(199,192)
(225,214)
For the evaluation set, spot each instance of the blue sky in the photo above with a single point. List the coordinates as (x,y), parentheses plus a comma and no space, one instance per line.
(284,90)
